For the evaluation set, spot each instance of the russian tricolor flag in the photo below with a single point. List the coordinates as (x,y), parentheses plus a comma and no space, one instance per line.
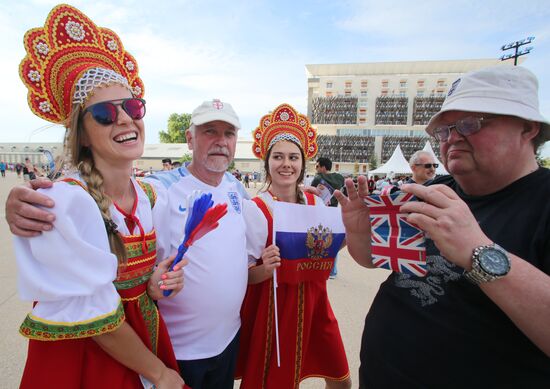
(309,237)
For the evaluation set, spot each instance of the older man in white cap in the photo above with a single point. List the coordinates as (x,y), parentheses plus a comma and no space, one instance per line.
(204,319)
(481,317)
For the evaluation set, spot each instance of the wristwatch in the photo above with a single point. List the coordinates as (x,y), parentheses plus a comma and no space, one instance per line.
(489,263)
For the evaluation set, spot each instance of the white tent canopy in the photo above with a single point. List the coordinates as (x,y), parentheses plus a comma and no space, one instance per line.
(397,164)
(441,169)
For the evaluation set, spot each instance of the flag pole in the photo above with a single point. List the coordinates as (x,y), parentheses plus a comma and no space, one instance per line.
(275,301)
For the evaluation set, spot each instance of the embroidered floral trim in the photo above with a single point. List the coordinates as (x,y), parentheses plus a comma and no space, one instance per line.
(128,284)
(112,45)
(150,315)
(34,76)
(129,65)
(75,30)
(33,328)
(45,106)
(42,48)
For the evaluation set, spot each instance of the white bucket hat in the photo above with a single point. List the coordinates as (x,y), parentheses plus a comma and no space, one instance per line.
(213,110)
(500,90)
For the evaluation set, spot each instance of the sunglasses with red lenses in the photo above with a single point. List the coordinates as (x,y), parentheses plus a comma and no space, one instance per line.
(106,112)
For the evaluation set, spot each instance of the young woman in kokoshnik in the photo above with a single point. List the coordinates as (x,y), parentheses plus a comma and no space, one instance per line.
(93,278)
(310,341)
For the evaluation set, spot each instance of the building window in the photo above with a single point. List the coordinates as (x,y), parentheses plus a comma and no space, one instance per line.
(384,93)
(441,83)
(337,166)
(348,93)
(364,83)
(385,83)
(329,85)
(420,83)
(402,94)
(362,120)
(363,93)
(420,93)
(403,84)
(328,94)
(348,84)
(363,103)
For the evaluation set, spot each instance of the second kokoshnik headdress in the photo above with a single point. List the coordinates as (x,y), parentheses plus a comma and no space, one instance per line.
(69,57)
(284,123)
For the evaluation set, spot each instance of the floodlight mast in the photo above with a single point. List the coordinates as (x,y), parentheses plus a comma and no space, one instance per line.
(518,53)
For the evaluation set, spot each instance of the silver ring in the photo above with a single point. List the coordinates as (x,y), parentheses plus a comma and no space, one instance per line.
(160,283)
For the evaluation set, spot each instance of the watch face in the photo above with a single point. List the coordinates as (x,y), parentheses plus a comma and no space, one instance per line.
(494,262)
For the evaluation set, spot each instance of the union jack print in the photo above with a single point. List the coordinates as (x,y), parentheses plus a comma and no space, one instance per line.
(397,245)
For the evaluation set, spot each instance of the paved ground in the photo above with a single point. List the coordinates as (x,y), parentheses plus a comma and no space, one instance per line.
(351,295)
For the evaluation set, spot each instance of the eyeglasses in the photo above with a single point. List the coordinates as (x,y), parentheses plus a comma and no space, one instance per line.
(465,127)
(428,165)
(106,112)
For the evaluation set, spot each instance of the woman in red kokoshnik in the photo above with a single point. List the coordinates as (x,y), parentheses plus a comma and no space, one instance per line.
(310,341)
(94,323)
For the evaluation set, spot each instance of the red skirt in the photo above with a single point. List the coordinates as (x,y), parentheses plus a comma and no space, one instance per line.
(309,337)
(82,364)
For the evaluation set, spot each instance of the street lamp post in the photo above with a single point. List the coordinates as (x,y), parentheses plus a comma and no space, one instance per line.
(516,45)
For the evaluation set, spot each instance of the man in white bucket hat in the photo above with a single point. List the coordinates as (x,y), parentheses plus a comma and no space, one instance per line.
(480,318)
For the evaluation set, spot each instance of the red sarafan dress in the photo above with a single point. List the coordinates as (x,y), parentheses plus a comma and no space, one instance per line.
(310,340)
(82,298)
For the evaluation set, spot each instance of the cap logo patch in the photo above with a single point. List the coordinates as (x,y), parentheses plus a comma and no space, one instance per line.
(453,87)
(217,104)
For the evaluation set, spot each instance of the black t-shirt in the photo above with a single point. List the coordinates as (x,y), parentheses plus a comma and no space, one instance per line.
(440,331)
(332,181)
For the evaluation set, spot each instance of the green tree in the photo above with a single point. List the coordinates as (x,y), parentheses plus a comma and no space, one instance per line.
(177,124)
(187,157)
(373,163)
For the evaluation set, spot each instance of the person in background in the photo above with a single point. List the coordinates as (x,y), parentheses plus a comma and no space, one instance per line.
(3,168)
(323,180)
(480,317)
(92,278)
(166,164)
(311,345)
(29,171)
(423,167)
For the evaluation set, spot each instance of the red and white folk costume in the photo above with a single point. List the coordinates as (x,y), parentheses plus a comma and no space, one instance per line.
(310,340)
(70,273)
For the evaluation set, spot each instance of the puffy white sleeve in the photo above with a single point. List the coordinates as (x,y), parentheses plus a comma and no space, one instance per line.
(69,271)
(161,219)
(256,230)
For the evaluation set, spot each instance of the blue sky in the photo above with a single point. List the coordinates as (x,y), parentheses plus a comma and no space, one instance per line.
(252,53)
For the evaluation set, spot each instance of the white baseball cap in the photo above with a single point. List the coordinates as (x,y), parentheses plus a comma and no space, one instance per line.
(500,90)
(213,110)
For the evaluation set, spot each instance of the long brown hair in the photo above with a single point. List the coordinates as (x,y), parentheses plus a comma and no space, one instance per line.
(268,179)
(81,157)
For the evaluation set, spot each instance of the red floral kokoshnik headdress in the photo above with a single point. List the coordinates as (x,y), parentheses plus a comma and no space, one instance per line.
(69,57)
(284,123)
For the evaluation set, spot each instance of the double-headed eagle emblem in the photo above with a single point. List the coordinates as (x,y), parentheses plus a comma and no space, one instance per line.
(318,240)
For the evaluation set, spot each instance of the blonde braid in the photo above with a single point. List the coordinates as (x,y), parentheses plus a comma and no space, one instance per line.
(82,158)
(94,180)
